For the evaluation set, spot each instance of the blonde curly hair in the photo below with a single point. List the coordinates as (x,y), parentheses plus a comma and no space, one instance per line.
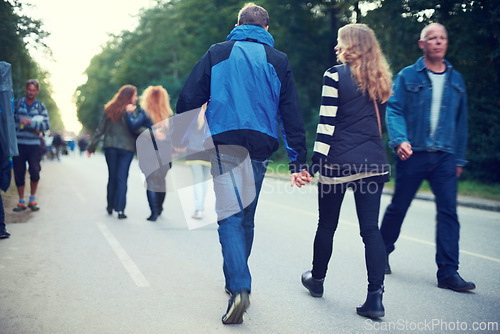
(156,102)
(358,47)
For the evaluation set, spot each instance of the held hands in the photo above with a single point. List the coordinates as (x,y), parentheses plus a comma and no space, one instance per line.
(301,178)
(404,151)
(89,154)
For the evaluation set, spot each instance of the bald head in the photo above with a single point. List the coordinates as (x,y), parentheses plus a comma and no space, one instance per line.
(429,27)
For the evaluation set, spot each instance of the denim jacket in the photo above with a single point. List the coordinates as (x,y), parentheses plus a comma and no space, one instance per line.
(409,111)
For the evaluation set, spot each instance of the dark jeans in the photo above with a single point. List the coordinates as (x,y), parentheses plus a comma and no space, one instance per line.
(5,177)
(237,184)
(2,215)
(118,161)
(367,198)
(440,169)
(31,154)
(156,180)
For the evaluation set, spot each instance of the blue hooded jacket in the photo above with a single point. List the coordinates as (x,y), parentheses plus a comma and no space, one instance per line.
(250,91)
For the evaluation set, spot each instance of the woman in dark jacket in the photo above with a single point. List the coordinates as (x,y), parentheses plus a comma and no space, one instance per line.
(349,153)
(153,117)
(118,145)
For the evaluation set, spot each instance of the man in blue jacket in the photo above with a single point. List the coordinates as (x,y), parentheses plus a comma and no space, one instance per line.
(250,91)
(427,124)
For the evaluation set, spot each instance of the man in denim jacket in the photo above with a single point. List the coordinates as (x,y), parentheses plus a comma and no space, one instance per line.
(427,124)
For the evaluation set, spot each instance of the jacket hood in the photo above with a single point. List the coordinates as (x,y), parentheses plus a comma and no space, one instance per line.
(248,31)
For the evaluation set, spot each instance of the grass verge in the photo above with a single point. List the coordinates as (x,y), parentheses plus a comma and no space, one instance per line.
(10,199)
(465,187)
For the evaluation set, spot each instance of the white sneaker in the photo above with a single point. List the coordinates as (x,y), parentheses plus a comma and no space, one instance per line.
(197,214)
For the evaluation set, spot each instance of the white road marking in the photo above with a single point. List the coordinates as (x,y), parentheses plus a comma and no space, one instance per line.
(315,214)
(124,258)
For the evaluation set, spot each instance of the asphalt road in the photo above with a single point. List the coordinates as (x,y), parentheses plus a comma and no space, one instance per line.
(71,268)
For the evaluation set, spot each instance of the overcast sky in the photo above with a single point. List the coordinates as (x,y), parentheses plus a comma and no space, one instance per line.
(78,29)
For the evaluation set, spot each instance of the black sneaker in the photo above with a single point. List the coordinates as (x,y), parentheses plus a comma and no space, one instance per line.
(4,234)
(237,306)
(121,215)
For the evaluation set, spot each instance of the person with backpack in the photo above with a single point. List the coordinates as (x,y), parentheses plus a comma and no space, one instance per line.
(31,119)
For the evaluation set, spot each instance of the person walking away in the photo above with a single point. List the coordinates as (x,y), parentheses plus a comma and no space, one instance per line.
(32,119)
(57,145)
(199,161)
(82,143)
(8,140)
(153,117)
(249,88)
(118,145)
(427,125)
(349,153)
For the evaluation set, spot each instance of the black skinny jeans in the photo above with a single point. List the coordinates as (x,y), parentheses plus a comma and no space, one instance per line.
(367,197)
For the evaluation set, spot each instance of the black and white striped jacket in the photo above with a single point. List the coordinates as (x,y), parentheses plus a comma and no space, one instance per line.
(348,146)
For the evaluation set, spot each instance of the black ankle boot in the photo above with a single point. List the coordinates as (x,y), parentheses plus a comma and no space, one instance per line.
(160,198)
(153,205)
(314,285)
(372,308)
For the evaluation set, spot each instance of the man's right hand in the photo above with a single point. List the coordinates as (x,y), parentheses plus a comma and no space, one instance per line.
(404,151)
(301,178)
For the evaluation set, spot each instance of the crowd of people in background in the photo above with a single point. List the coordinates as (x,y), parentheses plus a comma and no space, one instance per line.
(235,102)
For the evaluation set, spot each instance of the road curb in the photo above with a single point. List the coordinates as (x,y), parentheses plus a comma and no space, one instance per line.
(476,203)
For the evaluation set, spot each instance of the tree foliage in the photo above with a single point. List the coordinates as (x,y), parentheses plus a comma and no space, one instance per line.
(474,50)
(173,35)
(19,33)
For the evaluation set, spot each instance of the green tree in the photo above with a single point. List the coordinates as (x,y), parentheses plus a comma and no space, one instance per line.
(474,51)
(17,34)
(173,35)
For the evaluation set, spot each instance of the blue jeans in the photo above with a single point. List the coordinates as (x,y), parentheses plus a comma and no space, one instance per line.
(118,161)
(200,173)
(367,198)
(237,184)
(439,169)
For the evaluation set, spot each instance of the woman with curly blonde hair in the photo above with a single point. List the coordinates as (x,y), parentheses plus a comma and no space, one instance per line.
(156,109)
(118,146)
(349,153)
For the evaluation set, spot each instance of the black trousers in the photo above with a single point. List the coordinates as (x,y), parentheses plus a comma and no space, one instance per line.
(367,198)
